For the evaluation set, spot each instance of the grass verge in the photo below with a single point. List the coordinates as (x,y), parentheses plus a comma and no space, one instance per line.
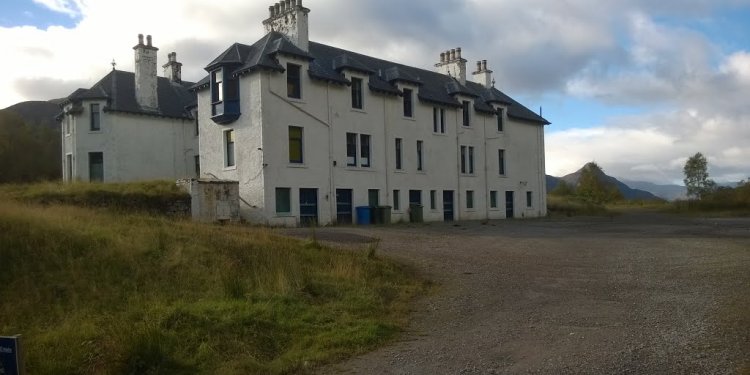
(97,292)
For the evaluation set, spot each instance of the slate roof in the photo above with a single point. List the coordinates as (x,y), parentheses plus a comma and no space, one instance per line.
(118,88)
(327,63)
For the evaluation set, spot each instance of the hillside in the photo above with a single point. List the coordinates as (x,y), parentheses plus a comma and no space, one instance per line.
(37,112)
(668,192)
(628,193)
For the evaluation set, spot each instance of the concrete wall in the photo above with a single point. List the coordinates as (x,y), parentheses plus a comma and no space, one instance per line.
(326,115)
(134,147)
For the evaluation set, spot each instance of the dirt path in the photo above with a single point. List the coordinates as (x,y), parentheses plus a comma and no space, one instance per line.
(630,294)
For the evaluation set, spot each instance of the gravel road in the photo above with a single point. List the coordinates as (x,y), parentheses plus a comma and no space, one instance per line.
(631,294)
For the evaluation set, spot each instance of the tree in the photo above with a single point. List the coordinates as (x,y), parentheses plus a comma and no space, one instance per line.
(563,189)
(593,188)
(696,177)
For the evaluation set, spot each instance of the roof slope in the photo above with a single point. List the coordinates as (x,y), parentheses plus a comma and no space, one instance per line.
(327,62)
(118,88)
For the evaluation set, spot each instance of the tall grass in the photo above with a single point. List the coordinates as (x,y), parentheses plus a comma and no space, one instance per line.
(102,292)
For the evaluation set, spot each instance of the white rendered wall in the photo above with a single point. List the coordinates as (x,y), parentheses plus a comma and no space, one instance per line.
(134,147)
(326,115)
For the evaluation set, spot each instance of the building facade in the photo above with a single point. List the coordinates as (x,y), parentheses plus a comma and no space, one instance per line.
(312,131)
(131,126)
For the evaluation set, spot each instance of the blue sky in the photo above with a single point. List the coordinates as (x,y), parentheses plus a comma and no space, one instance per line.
(636,85)
(21,13)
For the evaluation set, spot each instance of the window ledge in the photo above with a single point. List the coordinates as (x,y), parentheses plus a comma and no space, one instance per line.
(468,175)
(295,100)
(297,165)
(359,169)
(284,214)
(413,119)
(359,110)
(422,172)
(470,210)
(400,171)
(232,168)
(439,134)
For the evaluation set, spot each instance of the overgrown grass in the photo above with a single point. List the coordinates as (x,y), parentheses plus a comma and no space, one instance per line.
(570,206)
(102,292)
(147,196)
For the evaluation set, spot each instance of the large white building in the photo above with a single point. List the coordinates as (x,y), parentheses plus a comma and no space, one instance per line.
(131,126)
(312,131)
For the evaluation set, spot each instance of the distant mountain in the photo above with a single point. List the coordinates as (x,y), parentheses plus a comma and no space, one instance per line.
(627,192)
(668,192)
(36,113)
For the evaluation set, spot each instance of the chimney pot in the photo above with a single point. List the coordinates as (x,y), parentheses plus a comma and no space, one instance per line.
(294,4)
(479,66)
(140,39)
(442,56)
(288,4)
(484,65)
(452,54)
(458,53)
(277,8)
(148,40)
(270,11)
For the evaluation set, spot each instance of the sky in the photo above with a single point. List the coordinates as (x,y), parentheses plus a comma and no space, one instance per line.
(635,85)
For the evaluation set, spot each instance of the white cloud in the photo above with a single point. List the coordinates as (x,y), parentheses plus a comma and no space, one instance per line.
(610,51)
(70,7)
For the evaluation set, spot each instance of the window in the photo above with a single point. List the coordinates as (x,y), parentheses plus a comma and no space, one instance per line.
(466,115)
(501,162)
(67,119)
(419,155)
(396,200)
(408,103)
(283,200)
(351,149)
(96,166)
(500,119)
(95,118)
(528,199)
(229,148)
(433,199)
(197,160)
(357,101)
(398,153)
(438,120)
(197,125)
(469,199)
(217,92)
(493,199)
(373,197)
(293,81)
(295,145)
(471,160)
(364,150)
(225,98)
(69,167)
(467,159)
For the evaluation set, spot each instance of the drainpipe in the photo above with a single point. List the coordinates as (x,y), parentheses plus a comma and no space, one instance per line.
(331,187)
(486,171)
(457,200)
(386,153)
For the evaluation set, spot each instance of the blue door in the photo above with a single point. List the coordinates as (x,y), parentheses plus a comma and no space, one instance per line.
(448,205)
(308,207)
(509,205)
(344,206)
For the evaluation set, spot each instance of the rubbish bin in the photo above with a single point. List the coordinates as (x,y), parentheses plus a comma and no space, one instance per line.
(363,215)
(382,215)
(415,213)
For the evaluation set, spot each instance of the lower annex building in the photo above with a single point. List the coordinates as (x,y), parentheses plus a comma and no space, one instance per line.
(312,131)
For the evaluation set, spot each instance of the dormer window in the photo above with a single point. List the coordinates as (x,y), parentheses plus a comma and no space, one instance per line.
(357,102)
(293,81)
(466,113)
(217,92)
(500,119)
(408,103)
(225,97)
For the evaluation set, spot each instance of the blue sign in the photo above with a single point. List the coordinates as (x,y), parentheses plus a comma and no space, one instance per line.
(10,356)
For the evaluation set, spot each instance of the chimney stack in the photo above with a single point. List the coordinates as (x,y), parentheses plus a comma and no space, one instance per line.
(145,74)
(289,17)
(452,64)
(483,76)
(173,69)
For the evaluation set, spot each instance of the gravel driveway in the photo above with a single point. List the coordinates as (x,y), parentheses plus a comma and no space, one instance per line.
(637,293)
